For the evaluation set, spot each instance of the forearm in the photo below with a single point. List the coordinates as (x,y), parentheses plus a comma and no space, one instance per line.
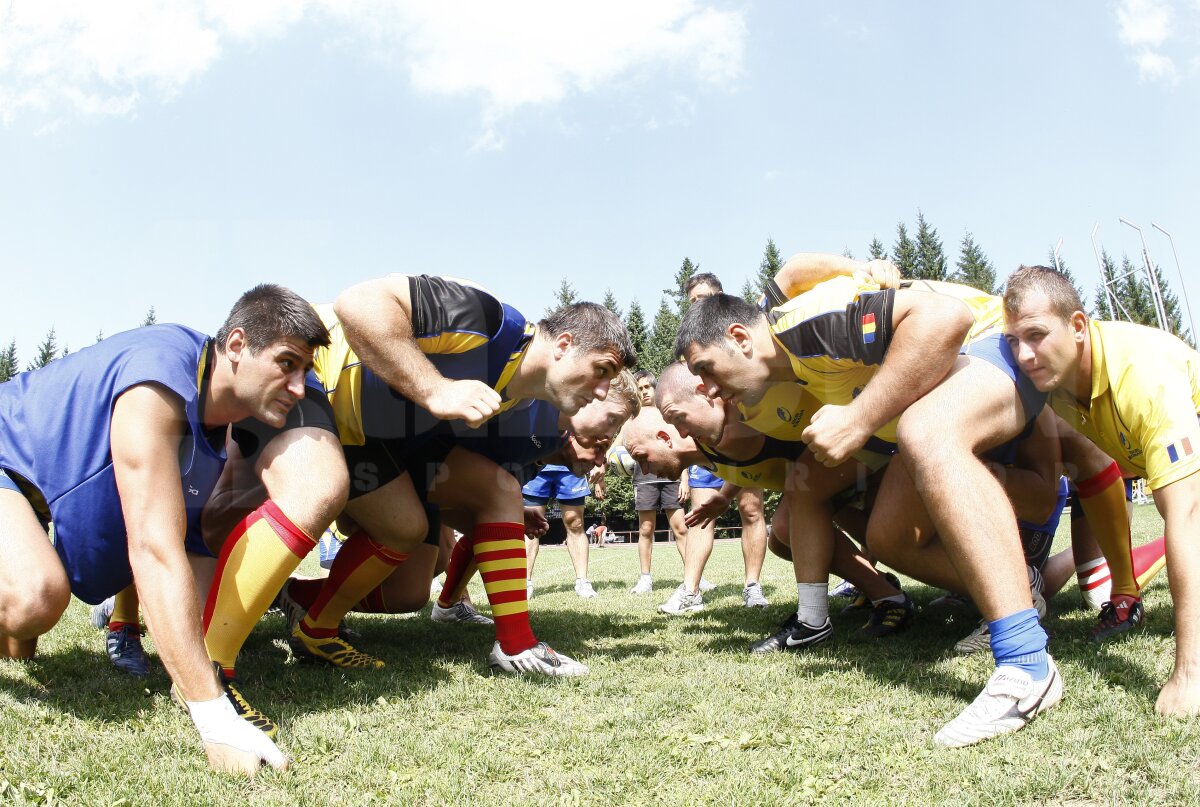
(804,270)
(730,490)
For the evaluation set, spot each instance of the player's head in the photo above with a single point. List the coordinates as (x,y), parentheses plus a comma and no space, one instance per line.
(588,347)
(646,382)
(1045,325)
(682,402)
(596,424)
(702,285)
(269,338)
(654,444)
(580,458)
(717,340)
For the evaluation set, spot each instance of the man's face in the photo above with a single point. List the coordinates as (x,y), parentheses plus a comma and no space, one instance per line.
(271,382)
(576,377)
(595,425)
(700,291)
(729,369)
(696,415)
(1047,347)
(581,459)
(646,389)
(653,453)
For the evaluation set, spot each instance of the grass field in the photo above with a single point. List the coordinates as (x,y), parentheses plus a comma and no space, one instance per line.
(674,712)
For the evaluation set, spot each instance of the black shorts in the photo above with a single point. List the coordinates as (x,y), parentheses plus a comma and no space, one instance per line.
(311,411)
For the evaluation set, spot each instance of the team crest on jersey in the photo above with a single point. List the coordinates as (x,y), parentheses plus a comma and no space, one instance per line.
(751,477)
(1180,450)
(788,417)
(868,329)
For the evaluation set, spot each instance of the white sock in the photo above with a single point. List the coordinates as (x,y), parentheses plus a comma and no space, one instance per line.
(812,603)
(896,598)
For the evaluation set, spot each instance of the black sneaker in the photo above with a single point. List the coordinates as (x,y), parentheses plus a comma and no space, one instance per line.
(794,635)
(1120,614)
(863,603)
(888,618)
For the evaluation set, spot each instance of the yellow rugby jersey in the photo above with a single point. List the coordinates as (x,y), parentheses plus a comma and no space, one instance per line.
(766,469)
(837,334)
(463,330)
(1144,404)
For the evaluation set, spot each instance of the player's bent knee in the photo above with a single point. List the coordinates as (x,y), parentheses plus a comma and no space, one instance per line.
(36,607)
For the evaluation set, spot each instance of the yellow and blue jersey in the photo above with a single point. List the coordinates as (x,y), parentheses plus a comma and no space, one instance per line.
(464,331)
(766,469)
(54,436)
(1144,406)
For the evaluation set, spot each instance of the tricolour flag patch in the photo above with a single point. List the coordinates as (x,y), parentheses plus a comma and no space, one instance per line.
(1180,450)
(868,326)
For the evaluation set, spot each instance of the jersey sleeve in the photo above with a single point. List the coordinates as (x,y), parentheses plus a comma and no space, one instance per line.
(1166,426)
(858,328)
(452,316)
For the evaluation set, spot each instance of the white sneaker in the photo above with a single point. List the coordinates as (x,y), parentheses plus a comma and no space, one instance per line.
(645,585)
(435,588)
(706,585)
(584,589)
(102,613)
(980,639)
(1009,701)
(753,597)
(683,601)
(540,659)
(462,612)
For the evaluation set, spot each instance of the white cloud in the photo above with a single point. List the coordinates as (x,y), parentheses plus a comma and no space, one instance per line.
(1153,32)
(98,58)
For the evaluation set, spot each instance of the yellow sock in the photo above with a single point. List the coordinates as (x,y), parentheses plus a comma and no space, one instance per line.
(360,566)
(125,608)
(262,551)
(1103,500)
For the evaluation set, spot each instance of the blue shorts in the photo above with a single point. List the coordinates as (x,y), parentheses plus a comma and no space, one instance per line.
(32,496)
(701,477)
(563,485)
(995,351)
(7,484)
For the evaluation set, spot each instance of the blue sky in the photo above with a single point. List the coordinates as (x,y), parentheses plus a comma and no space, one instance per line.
(174,154)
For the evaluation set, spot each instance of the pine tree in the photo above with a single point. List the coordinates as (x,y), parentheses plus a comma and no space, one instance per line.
(1132,292)
(8,362)
(931,258)
(876,250)
(638,334)
(1066,272)
(768,267)
(151,318)
(661,350)
(1170,302)
(610,302)
(750,292)
(974,269)
(100,335)
(904,252)
(1108,270)
(687,270)
(565,295)
(47,351)
(846,253)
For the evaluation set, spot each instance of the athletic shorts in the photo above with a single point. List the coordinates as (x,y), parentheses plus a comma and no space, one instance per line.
(570,490)
(380,461)
(313,410)
(31,494)
(995,351)
(656,496)
(701,477)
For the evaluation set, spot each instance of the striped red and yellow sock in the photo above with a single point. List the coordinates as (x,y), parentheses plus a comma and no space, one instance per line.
(125,609)
(1102,498)
(360,566)
(1148,560)
(459,571)
(500,552)
(260,554)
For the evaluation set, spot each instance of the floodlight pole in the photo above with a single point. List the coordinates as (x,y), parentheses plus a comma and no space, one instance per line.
(1159,312)
(1057,247)
(1182,285)
(1109,294)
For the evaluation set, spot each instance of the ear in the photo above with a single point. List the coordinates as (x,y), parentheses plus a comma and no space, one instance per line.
(235,344)
(1078,325)
(563,343)
(663,437)
(741,337)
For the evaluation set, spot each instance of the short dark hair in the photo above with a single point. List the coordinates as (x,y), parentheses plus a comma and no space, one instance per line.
(1063,296)
(593,327)
(638,375)
(704,277)
(708,320)
(268,313)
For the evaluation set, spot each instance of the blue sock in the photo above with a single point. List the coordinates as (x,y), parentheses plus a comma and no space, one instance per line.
(1019,641)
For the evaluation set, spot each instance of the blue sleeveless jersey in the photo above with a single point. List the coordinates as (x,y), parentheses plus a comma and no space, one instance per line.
(54,432)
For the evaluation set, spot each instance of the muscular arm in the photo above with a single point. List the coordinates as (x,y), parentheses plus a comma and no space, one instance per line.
(147,426)
(1032,482)
(1179,504)
(804,270)
(376,317)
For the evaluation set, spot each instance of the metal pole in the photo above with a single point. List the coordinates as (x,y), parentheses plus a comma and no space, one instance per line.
(1182,284)
(1155,295)
(1057,247)
(1109,295)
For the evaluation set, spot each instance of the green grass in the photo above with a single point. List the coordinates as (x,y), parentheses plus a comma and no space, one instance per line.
(674,712)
